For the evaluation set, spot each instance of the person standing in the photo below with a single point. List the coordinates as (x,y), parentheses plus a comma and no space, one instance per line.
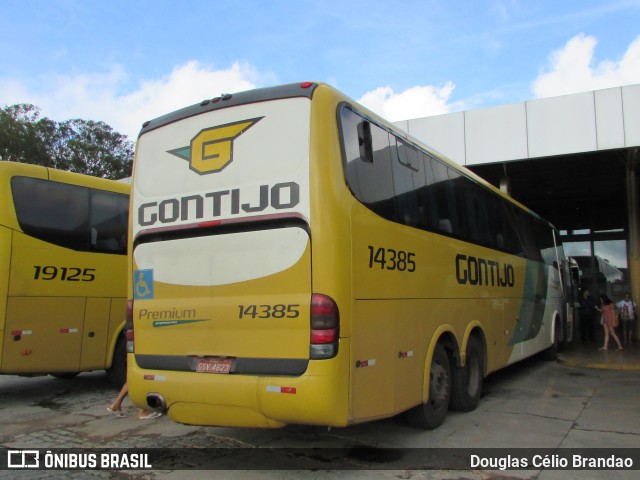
(607,308)
(587,316)
(628,309)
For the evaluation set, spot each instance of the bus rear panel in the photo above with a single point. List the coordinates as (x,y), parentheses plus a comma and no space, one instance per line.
(228,329)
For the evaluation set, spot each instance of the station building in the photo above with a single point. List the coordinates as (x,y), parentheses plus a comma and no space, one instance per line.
(573,159)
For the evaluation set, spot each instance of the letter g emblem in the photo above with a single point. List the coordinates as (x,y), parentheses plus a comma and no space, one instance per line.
(211,150)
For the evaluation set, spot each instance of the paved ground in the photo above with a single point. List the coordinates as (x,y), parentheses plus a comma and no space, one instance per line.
(588,355)
(589,399)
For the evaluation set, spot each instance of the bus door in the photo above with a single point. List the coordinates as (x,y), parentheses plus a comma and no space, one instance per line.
(95,333)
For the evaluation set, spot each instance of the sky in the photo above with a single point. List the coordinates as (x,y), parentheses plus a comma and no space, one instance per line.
(127,61)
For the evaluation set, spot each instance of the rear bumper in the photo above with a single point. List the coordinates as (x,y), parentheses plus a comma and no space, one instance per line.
(318,397)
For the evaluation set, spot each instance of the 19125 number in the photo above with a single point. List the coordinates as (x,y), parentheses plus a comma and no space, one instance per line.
(68,274)
(391,259)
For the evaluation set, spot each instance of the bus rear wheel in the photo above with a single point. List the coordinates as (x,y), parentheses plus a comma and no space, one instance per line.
(64,375)
(431,414)
(117,373)
(466,384)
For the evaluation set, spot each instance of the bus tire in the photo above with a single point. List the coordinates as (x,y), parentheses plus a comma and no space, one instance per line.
(431,414)
(117,373)
(63,375)
(466,382)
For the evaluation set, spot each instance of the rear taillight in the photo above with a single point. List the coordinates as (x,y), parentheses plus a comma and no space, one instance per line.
(325,327)
(128,327)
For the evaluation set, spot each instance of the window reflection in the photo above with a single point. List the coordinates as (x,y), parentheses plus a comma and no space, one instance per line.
(614,251)
(71,216)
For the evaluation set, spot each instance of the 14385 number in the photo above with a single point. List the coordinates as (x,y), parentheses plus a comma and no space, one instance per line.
(391,259)
(269,311)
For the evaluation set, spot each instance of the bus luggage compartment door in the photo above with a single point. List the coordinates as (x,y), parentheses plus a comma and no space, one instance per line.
(243,295)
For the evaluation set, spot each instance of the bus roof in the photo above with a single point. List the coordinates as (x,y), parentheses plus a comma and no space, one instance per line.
(291,90)
(10,169)
(306,89)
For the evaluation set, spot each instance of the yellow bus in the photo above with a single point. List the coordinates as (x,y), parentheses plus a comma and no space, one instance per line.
(295,259)
(62,272)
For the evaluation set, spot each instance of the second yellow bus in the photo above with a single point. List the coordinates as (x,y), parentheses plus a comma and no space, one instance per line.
(62,272)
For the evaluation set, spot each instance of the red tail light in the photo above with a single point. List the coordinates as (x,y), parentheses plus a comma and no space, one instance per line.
(325,327)
(324,336)
(128,327)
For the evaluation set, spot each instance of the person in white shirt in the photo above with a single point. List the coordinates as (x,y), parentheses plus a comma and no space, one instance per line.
(627,309)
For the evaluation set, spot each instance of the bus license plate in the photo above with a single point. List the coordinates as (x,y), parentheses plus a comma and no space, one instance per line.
(214,365)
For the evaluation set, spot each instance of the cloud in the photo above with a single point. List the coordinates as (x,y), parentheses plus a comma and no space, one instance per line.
(415,102)
(571,69)
(100,96)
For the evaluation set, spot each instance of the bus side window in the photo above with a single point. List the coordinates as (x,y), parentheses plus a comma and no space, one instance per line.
(477,214)
(409,183)
(528,235)
(365,141)
(510,227)
(55,212)
(546,244)
(109,222)
(370,178)
(443,200)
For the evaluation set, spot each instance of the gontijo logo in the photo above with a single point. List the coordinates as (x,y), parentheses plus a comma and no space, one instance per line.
(211,150)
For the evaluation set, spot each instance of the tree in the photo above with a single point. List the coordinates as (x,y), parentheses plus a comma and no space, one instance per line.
(82,146)
(93,148)
(24,136)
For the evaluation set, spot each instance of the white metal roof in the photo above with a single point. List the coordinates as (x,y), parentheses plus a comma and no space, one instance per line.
(582,122)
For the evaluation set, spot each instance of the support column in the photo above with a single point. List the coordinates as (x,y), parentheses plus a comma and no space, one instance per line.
(633,239)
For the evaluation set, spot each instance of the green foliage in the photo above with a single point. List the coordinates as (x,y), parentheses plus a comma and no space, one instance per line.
(82,146)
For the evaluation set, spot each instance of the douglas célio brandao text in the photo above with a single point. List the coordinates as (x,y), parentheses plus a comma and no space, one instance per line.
(551,461)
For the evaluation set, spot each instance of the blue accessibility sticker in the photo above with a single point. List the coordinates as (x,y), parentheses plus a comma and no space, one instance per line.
(143,284)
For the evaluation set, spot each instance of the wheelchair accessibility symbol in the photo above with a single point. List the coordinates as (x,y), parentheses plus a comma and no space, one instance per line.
(142,284)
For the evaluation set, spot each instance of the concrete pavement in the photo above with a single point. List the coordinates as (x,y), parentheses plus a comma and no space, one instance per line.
(588,355)
(588,399)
